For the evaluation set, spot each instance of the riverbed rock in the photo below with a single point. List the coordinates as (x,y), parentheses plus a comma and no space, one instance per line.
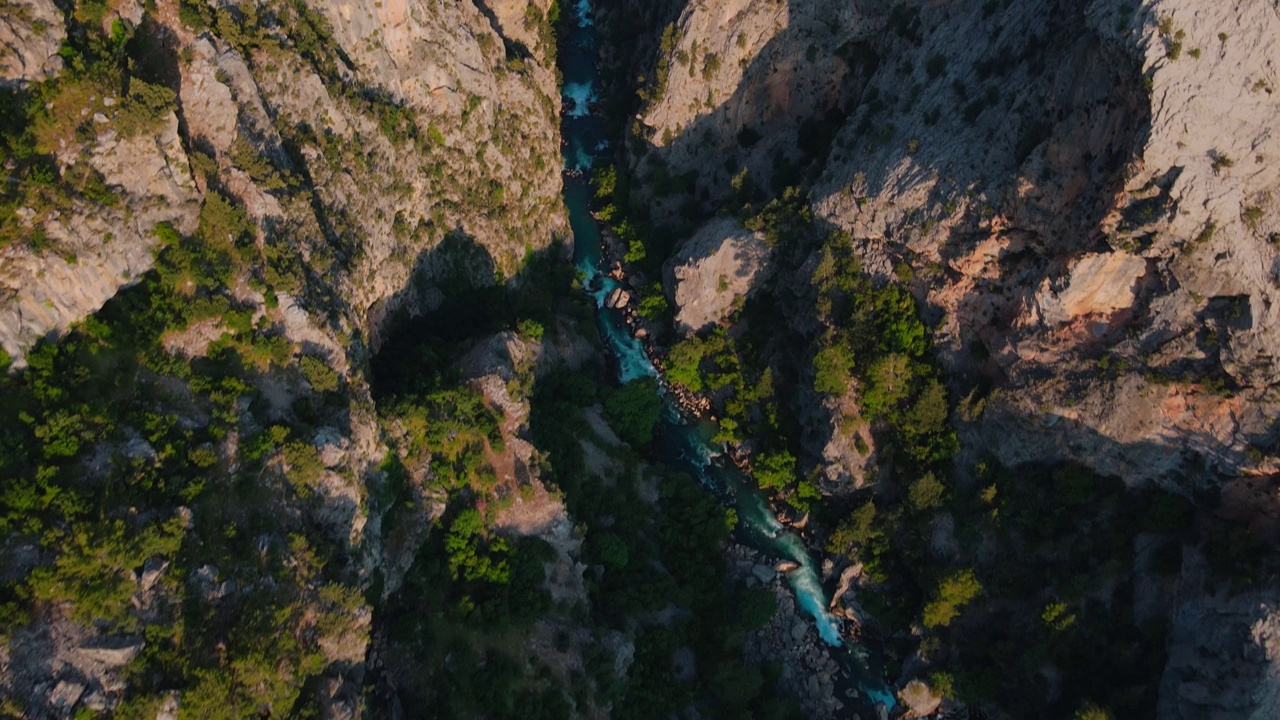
(763,573)
(713,271)
(618,299)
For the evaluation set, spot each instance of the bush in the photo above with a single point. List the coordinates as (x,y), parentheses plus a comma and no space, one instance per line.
(304,466)
(1091,711)
(531,329)
(222,222)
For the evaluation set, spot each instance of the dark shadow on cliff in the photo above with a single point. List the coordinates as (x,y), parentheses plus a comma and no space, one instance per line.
(1129,561)
(454,299)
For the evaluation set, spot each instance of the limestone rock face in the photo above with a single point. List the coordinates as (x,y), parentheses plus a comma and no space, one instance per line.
(485,164)
(1098,284)
(101,248)
(404,127)
(721,264)
(1224,651)
(743,78)
(31,32)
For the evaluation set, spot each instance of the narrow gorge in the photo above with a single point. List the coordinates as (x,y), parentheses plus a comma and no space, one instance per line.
(639,359)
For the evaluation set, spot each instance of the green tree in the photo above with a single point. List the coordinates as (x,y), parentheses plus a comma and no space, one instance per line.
(953,592)
(929,413)
(831,366)
(775,471)
(322,377)
(855,531)
(611,550)
(633,411)
(684,363)
(889,383)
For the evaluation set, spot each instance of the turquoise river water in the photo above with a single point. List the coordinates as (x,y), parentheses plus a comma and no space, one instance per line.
(680,442)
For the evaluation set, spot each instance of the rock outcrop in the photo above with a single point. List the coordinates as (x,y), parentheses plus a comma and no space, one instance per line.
(714,271)
(464,113)
(1224,652)
(96,248)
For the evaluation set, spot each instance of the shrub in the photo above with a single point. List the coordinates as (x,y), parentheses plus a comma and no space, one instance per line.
(222,222)
(1220,161)
(531,329)
(1251,216)
(1092,711)
(304,466)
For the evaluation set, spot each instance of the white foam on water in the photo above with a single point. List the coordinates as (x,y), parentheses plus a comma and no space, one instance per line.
(810,598)
(582,9)
(582,94)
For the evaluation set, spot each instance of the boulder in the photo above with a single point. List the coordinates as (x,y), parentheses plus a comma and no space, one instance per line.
(920,698)
(763,573)
(617,299)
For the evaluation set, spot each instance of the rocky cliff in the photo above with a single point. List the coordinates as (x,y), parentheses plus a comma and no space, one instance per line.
(1056,177)
(296,166)
(1081,197)
(407,123)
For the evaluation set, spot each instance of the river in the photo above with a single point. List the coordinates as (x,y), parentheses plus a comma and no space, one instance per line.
(680,442)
